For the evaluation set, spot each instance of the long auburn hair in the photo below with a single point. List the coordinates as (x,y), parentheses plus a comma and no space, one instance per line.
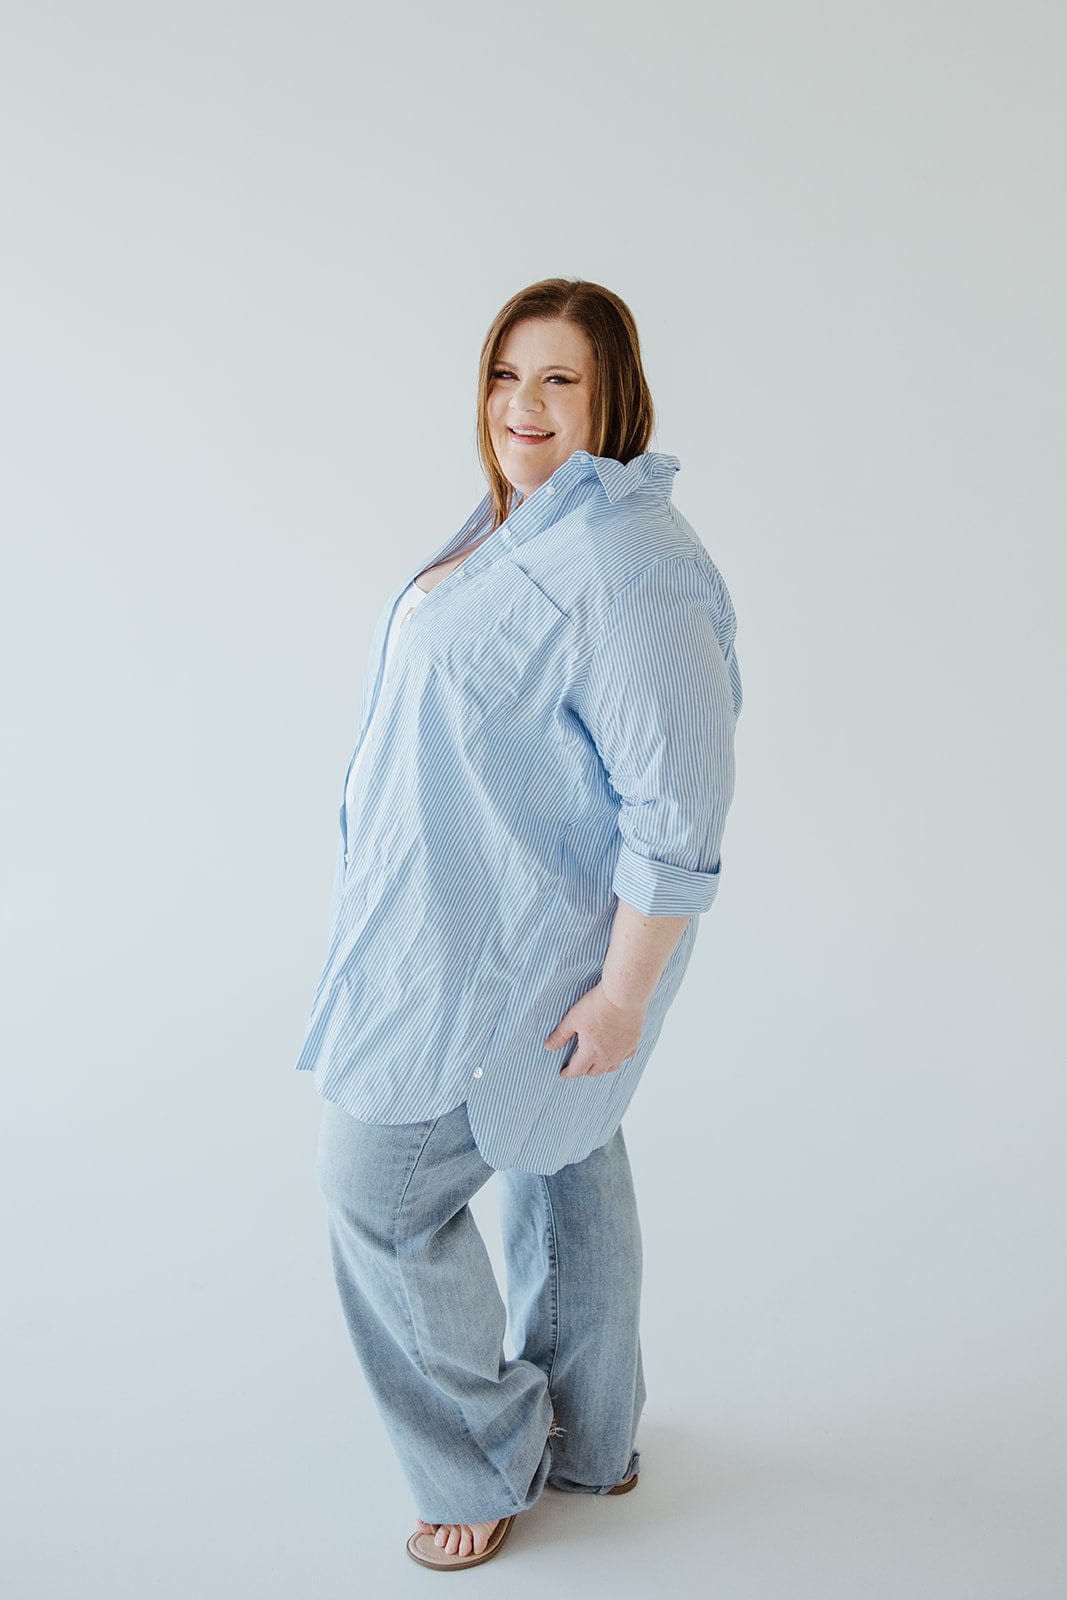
(622,412)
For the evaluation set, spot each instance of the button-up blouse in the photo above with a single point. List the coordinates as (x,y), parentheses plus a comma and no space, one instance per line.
(555,733)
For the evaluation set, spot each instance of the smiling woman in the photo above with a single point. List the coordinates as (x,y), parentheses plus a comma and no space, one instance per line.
(540,400)
(530,828)
(562,356)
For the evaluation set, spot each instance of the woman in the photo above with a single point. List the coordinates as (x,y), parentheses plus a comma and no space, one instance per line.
(530,828)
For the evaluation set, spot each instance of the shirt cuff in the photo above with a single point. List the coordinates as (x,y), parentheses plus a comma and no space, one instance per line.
(661,890)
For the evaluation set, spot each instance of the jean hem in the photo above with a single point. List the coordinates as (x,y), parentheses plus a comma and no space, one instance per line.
(533,1494)
(569,1486)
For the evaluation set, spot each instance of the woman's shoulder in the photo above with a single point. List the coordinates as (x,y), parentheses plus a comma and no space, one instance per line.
(601,553)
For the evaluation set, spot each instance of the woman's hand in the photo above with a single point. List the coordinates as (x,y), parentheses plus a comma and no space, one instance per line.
(608,1034)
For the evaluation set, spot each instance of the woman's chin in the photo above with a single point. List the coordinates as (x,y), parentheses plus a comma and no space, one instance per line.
(527,482)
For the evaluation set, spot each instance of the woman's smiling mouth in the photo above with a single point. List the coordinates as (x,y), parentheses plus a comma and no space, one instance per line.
(529,435)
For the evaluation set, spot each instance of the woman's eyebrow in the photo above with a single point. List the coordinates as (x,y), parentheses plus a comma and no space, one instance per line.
(554,366)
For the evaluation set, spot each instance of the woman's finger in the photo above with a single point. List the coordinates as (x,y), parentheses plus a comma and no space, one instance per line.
(576,1067)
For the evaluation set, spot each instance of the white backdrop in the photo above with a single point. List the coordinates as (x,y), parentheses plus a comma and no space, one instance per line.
(251,252)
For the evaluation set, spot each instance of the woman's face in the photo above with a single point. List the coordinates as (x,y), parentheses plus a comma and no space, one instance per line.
(540,400)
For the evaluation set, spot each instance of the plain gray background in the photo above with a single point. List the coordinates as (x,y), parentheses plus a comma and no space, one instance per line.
(251,253)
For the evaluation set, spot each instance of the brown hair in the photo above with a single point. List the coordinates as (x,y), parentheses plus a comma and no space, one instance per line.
(622,412)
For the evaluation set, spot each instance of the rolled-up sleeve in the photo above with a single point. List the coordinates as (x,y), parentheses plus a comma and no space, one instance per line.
(660,700)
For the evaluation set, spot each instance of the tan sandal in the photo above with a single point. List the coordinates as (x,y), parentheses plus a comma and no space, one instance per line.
(421,1548)
(624,1488)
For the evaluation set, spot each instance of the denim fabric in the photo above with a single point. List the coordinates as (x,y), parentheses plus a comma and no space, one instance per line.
(425,1315)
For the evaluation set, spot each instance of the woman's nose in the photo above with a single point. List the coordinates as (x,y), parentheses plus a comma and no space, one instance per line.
(526,398)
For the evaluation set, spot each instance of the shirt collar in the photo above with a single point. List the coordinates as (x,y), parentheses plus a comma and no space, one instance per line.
(653,469)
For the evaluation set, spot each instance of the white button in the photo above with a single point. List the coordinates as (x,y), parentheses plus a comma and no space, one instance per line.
(550,488)
(477,1072)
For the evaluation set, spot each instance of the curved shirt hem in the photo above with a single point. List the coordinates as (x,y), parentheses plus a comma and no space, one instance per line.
(491,1154)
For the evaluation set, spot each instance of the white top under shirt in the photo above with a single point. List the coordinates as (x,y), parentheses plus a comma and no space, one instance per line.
(405,605)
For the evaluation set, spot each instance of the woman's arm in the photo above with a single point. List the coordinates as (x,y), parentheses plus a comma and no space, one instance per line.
(639,950)
(610,1017)
(659,702)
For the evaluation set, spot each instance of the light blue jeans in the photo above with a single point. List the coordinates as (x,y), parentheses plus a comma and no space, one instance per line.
(425,1315)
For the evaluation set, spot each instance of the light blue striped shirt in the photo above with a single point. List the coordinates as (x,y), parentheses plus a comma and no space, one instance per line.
(555,730)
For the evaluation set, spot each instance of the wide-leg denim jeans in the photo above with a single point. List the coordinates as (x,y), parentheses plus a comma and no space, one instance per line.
(425,1315)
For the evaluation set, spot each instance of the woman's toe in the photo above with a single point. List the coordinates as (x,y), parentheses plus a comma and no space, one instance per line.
(459,1538)
(483,1532)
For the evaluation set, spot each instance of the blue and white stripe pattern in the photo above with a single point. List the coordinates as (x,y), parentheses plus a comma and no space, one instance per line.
(555,730)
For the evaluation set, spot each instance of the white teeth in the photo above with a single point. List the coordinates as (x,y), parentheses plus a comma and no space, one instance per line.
(533,433)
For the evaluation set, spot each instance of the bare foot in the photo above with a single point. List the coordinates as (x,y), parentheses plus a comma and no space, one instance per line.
(459,1538)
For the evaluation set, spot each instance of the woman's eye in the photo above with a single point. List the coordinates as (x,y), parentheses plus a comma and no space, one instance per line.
(555,377)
